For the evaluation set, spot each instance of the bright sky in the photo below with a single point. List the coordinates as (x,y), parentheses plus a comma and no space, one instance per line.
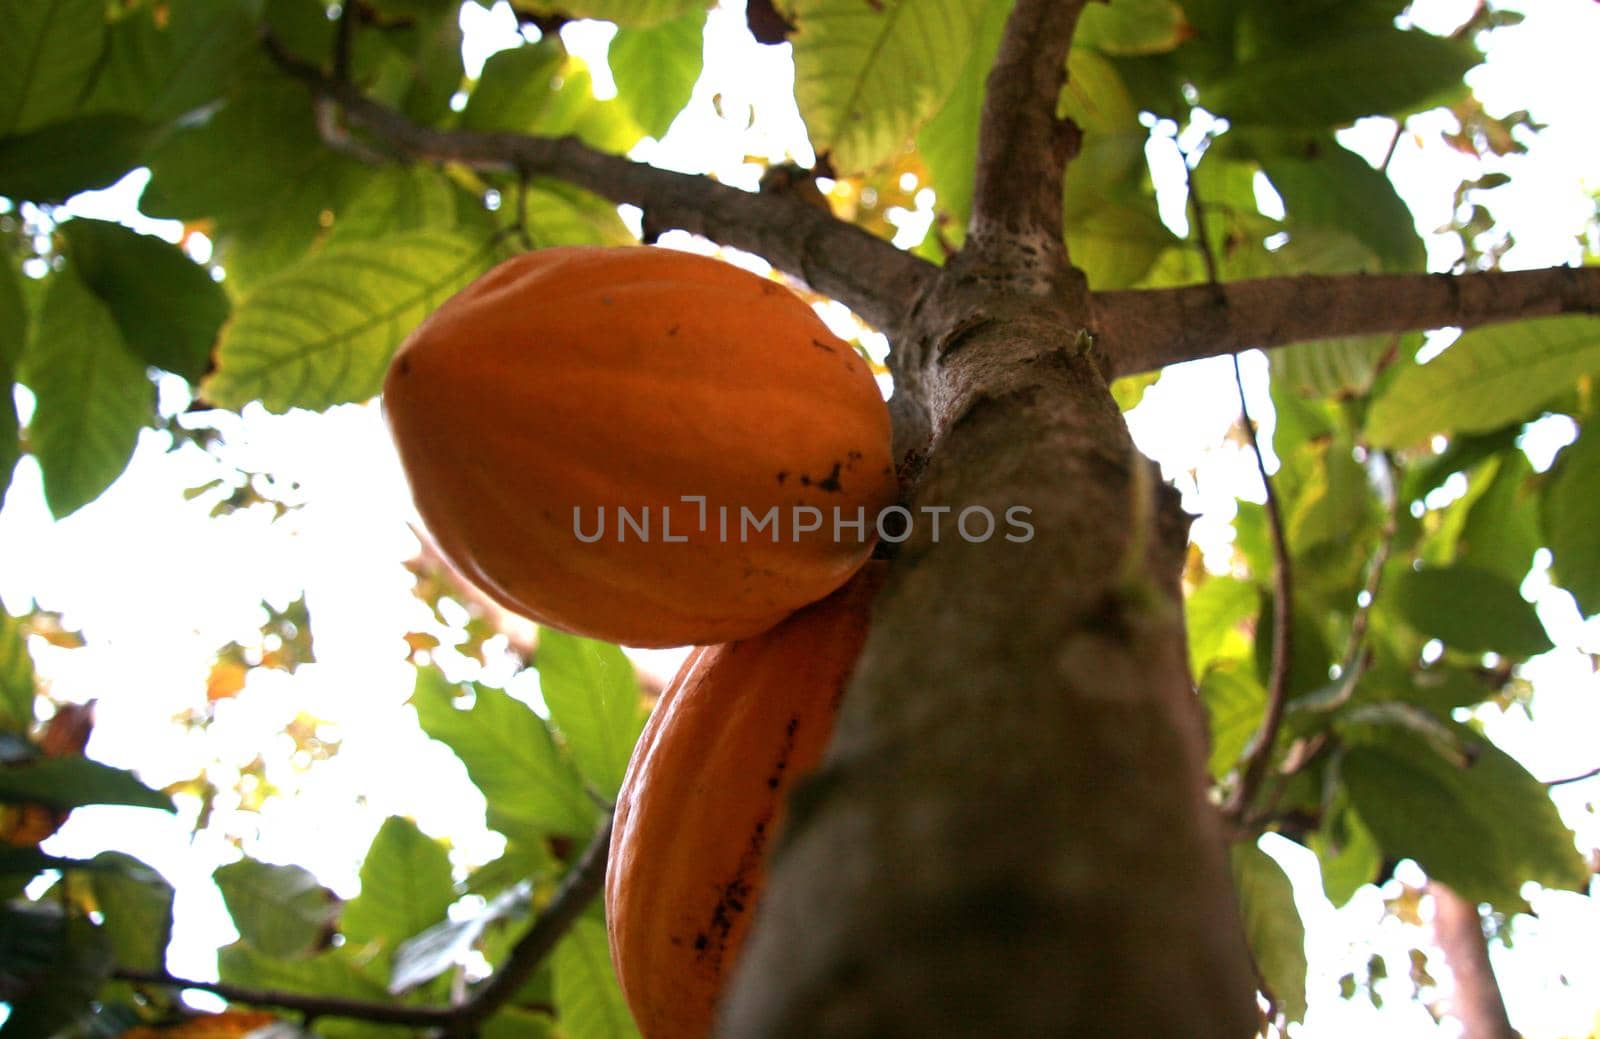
(157,586)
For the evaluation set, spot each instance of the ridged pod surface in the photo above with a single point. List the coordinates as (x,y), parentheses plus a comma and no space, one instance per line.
(703,800)
(566,384)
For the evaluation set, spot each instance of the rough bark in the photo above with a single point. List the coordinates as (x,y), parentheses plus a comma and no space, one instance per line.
(1010,835)
(1477,1004)
(1145,329)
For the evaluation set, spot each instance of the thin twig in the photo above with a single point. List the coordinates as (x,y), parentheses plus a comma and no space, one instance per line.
(577,889)
(1355,660)
(836,258)
(1394,143)
(344,33)
(1197,207)
(1580,777)
(310,1006)
(1255,766)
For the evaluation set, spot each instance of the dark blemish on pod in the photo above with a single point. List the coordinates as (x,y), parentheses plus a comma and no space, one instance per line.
(830,483)
(783,474)
(820,345)
(403,366)
(673,330)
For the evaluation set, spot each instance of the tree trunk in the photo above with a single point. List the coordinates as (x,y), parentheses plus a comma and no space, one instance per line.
(1010,835)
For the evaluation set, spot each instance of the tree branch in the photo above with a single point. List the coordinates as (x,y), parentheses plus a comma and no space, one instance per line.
(1458,928)
(867,274)
(1144,329)
(1023,148)
(308,1005)
(577,889)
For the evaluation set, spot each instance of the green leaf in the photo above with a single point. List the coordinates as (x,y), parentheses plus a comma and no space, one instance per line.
(48,55)
(81,153)
(279,910)
(1324,185)
(631,13)
(1213,613)
(1234,702)
(559,214)
(1485,829)
(13,337)
(948,143)
(1110,163)
(71,782)
(1501,531)
(321,332)
(281,180)
(517,1023)
(16,677)
(396,199)
(1341,368)
(1348,854)
(406,888)
(64,963)
(429,62)
(1567,517)
(167,61)
(539,89)
(448,943)
(92,394)
(332,973)
(510,756)
(594,700)
(515,86)
(1334,505)
(1334,81)
(1486,379)
(1117,243)
(656,69)
(586,987)
(1472,610)
(10,436)
(868,75)
(1129,390)
(1131,27)
(13,317)
(1273,927)
(136,904)
(166,306)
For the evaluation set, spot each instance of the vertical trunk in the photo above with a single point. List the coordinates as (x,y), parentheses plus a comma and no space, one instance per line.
(1010,835)
(1477,1004)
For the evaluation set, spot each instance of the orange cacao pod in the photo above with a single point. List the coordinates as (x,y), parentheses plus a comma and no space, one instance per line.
(704,799)
(568,384)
